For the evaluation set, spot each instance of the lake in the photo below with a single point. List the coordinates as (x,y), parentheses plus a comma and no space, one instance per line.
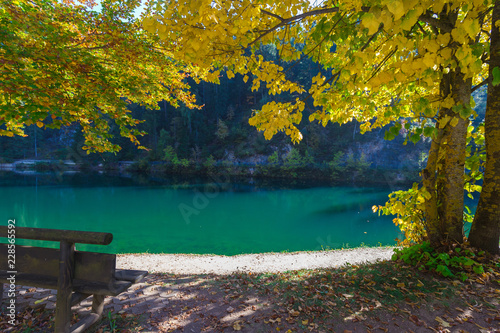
(203,216)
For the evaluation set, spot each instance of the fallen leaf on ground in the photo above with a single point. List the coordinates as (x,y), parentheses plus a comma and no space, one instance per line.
(237,326)
(442,322)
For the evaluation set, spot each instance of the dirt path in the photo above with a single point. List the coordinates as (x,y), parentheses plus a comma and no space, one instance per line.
(374,297)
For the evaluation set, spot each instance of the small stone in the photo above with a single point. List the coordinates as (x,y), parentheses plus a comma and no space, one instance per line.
(138,309)
(168,295)
(50,305)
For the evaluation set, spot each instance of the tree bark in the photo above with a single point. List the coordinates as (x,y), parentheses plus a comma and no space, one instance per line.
(429,184)
(485,231)
(444,177)
(450,183)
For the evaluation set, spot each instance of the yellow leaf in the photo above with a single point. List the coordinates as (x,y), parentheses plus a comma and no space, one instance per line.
(245,78)
(370,21)
(443,39)
(442,322)
(230,74)
(305,322)
(459,35)
(444,121)
(454,122)
(396,8)
(471,27)
(400,285)
(148,22)
(237,326)
(409,20)
(39,124)
(430,59)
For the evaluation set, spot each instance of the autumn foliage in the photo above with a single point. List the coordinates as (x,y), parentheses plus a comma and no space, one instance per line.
(389,62)
(66,63)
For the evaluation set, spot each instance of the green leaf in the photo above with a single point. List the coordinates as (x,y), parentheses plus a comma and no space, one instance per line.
(465,112)
(496,76)
(478,269)
(444,271)
(428,131)
(415,138)
(472,102)
(395,129)
(389,136)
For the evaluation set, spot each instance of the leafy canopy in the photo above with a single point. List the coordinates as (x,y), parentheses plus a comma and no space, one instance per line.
(64,63)
(389,58)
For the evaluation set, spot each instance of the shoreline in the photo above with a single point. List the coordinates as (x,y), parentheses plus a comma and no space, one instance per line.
(254,263)
(310,172)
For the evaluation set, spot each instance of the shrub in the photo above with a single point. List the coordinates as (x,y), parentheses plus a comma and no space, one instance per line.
(459,262)
(274,159)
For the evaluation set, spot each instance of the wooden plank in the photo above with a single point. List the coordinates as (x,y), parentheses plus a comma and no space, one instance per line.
(97,308)
(64,288)
(88,266)
(85,287)
(84,323)
(131,275)
(33,260)
(57,235)
(96,267)
(76,298)
(110,289)
(31,280)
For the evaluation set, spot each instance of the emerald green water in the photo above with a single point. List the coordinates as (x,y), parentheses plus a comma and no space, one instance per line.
(199,216)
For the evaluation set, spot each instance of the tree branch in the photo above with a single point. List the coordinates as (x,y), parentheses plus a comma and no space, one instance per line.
(272,14)
(296,18)
(485,81)
(372,37)
(429,18)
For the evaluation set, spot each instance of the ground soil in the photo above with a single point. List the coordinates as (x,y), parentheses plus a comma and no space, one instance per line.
(339,292)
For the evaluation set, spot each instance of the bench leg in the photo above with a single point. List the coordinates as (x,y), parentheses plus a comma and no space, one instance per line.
(97,308)
(76,298)
(98,304)
(64,287)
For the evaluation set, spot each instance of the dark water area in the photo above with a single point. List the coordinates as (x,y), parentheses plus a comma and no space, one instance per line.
(215,215)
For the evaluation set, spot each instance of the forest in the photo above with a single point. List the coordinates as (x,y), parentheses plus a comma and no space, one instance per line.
(219,134)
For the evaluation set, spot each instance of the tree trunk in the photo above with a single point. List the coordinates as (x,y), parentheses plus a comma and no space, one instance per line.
(450,188)
(485,231)
(443,176)
(451,181)
(429,184)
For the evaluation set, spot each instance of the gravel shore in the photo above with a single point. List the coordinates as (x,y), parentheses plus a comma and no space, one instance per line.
(255,263)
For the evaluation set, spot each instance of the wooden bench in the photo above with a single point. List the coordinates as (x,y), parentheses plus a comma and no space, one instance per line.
(75,274)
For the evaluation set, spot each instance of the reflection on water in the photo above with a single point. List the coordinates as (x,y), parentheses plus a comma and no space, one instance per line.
(190,215)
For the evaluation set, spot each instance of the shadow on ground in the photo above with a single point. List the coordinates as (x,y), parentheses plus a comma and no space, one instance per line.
(383,296)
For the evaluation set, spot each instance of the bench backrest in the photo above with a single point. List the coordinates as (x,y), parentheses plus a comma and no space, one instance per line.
(57,235)
(41,261)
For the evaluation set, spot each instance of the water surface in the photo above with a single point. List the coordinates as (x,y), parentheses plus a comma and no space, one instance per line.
(189,215)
